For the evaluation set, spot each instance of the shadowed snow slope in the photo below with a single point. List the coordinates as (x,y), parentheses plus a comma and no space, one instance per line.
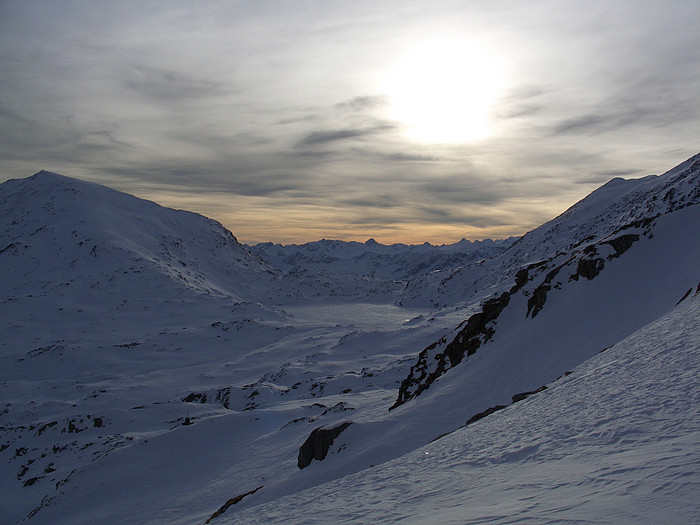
(154,371)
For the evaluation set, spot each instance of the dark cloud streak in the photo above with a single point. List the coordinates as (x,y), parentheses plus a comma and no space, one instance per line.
(316,138)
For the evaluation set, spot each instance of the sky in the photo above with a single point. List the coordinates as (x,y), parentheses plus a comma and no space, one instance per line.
(405,121)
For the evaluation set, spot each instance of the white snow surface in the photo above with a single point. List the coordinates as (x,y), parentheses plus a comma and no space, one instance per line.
(153,369)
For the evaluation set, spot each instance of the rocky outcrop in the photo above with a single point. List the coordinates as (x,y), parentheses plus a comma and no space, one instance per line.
(432,364)
(524,395)
(318,443)
(230,502)
(622,243)
(517,397)
(589,268)
(487,412)
(537,299)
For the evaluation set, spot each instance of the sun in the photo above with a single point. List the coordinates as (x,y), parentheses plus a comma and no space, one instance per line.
(443,90)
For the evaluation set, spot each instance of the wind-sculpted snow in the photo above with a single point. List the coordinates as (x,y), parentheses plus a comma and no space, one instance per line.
(155,371)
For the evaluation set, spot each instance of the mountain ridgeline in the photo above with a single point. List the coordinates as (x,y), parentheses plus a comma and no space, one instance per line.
(396,261)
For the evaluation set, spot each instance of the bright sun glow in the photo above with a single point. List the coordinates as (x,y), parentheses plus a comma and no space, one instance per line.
(443,90)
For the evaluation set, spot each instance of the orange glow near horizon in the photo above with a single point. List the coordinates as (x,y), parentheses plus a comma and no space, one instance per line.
(256,219)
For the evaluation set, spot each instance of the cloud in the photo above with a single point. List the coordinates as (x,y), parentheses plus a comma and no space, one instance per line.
(600,177)
(314,117)
(170,86)
(592,123)
(363,103)
(316,138)
(396,156)
(466,189)
(518,102)
(373,201)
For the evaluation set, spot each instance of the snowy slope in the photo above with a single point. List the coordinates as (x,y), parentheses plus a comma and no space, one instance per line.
(610,208)
(60,232)
(616,441)
(167,392)
(396,261)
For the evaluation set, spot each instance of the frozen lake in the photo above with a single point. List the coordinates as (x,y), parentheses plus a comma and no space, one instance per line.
(364,316)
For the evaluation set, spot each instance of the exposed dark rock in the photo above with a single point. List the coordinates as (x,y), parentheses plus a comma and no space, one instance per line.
(685,296)
(537,299)
(487,412)
(317,444)
(623,243)
(474,333)
(72,428)
(588,268)
(230,502)
(524,395)
(223,395)
(45,427)
(521,277)
(195,397)
(342,406)
(31,481)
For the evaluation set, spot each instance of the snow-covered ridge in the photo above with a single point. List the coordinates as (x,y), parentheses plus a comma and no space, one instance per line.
(574,249)
(59,231)
(608,209)
(396,261)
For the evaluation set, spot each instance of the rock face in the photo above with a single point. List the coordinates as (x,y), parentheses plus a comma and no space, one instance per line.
(477,330)
(317,444)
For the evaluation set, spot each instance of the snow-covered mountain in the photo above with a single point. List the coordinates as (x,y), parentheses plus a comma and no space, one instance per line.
(396,261)
(177,378)
(611,208)
(57,232)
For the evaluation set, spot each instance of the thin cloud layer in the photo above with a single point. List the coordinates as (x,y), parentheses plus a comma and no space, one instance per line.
(281,119)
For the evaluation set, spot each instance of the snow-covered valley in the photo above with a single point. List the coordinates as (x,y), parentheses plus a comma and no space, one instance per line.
(154,370)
